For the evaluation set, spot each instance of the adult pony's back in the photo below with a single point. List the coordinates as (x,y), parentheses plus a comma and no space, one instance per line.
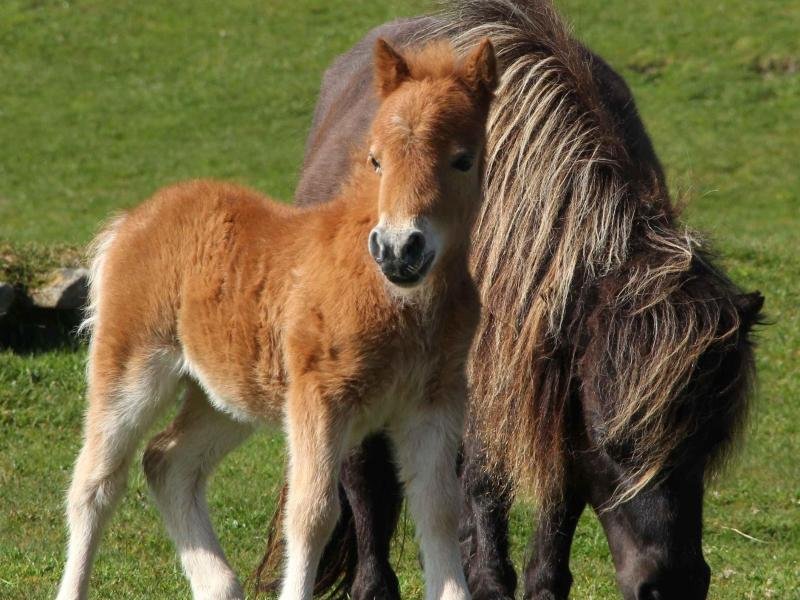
(612,365)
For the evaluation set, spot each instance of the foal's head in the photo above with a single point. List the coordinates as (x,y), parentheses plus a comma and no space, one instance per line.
(426,146)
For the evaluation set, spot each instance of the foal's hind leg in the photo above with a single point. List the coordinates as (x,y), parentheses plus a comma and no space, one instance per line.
(426,446)
(123,402)
(177,463)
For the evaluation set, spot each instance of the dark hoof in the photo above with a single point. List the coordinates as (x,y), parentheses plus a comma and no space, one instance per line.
(486,587)
(496,583)
(550,589)
(544,595)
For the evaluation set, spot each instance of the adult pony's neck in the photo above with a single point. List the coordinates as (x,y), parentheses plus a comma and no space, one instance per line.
(565,191)
(573,200)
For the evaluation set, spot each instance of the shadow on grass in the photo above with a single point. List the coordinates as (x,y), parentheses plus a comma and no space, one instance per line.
(28,330)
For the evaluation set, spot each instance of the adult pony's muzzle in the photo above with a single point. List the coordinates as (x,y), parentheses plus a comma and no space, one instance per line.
(404,256)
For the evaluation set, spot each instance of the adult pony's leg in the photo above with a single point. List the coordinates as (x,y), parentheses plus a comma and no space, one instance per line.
(484,530)
(547,575)
(317,436)
(124,398)
(178,462)
(426,444)
(375,496)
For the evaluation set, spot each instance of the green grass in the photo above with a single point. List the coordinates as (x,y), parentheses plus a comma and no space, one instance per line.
(101,103)
(29,263)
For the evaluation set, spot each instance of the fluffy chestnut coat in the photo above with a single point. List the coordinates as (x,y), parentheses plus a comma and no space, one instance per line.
(266,313)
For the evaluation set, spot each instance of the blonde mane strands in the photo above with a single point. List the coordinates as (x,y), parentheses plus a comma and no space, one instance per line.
(564,207)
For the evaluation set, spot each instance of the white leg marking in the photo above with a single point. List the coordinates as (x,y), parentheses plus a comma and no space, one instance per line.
(426,444)
(178,462)
(113,427)
(316,448)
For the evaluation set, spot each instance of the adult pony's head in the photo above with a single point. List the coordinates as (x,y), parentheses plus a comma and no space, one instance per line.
(426,145)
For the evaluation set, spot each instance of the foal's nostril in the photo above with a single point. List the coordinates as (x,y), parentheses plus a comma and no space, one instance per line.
(375,247)
(411,253)
(401,255)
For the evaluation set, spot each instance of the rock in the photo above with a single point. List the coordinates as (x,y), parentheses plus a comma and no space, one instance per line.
(67,289)
(6,297)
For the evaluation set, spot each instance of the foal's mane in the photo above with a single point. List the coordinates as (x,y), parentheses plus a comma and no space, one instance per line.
(567,207)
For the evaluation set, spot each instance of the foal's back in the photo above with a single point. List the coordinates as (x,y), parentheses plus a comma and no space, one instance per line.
(215,282)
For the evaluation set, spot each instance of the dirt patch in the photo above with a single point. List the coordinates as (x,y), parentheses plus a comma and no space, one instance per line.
(776,66)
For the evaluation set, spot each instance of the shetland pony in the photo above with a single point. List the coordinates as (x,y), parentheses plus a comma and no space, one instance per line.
(613,363)
(336,320)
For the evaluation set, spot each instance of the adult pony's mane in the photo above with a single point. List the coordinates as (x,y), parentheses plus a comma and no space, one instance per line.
(572,220)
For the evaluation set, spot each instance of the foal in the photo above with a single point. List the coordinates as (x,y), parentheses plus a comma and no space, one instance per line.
(337,320)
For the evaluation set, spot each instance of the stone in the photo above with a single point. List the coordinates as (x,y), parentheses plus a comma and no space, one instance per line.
(67,289)
(6,297)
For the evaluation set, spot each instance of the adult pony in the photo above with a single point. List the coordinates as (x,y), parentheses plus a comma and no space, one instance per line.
(612,365)
(338,320)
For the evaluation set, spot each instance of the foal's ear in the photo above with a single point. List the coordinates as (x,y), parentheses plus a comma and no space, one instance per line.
(480,69)
(391,69)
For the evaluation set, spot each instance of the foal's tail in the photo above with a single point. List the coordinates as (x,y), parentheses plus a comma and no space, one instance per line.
(97,252)
(337,568)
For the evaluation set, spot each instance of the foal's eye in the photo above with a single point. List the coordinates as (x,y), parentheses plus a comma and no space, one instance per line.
(375,163)
(463,162)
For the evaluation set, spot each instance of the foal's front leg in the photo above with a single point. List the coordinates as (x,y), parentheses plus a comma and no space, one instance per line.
(317,435)
(426,443)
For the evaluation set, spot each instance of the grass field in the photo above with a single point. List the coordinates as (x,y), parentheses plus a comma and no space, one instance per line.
(103,102)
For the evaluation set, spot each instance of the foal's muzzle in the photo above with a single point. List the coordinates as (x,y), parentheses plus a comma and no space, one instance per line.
(403,256)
